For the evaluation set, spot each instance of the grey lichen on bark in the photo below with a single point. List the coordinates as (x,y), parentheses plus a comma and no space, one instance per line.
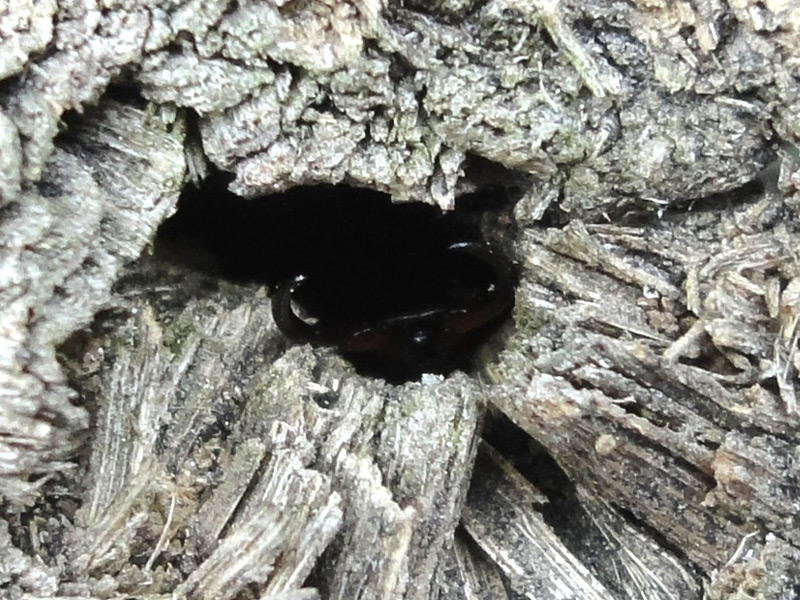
(652,355)
(66,238)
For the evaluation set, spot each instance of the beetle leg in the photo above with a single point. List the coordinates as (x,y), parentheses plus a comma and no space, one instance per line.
(288,322)
(466,320)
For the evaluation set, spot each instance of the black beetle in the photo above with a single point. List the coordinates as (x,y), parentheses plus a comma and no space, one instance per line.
(398,289)
(431,319)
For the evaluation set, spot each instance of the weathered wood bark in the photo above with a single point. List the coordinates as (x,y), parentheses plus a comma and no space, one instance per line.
(634,433)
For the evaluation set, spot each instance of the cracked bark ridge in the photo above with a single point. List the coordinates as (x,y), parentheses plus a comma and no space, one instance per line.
(653,356)
(376,95)
(65,240)
(275,477)
(648,409)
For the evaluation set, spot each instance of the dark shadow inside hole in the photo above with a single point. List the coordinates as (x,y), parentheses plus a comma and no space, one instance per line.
(533,462)
(398,289)
(716,204)
(563,511)
(569,515)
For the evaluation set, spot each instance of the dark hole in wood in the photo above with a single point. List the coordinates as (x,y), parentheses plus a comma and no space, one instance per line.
(565,511)
(398,289)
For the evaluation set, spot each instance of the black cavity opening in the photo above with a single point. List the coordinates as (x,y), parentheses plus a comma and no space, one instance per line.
(569,515)
(398,289)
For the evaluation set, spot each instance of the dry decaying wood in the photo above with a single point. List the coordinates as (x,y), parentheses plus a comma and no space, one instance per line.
(639,417)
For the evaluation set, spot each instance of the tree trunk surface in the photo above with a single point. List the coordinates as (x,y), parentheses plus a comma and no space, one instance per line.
(632,432)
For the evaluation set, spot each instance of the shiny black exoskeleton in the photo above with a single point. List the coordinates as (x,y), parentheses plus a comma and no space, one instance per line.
(399,289)
(449,305)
